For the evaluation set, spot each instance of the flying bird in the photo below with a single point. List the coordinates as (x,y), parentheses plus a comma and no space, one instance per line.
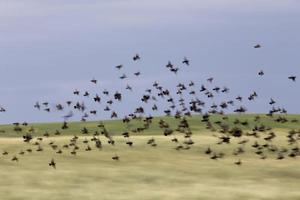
(52,163)
(261,73)
(94,81)
(293,78)
(136,57)
(186,61)
(119,67)
(257,46)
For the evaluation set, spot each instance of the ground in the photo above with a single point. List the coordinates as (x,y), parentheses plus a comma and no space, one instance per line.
(145,172)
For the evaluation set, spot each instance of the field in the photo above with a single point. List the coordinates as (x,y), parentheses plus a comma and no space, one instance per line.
(143,171)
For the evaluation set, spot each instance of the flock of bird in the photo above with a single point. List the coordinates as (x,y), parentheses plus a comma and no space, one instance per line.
(177,106)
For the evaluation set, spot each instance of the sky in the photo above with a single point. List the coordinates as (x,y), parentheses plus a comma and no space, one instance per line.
(49,48)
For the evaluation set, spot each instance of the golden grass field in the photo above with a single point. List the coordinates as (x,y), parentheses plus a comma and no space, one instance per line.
(145,172)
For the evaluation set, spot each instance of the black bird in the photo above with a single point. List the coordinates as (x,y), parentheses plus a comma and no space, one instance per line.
(214,157)
(94,81)
(239,162)
(69,115)
(97,98)
(272,102)
(239,98)
(208,151)
(76,92)
(106,92)
(136,57)
(210,79)
(129,143)
(128,87)
(169,65)
(115,157)
(37,105)
(2,109)
(123,76)
(261,73)
(186,61)
(119,67)
(15,159)
(257,46)
(86,94)
(52,163)
(137,73)
(175,70)
(293,78)
(118,96)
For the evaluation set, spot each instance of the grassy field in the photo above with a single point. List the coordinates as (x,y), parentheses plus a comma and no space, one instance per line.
(146,172)
(116,127)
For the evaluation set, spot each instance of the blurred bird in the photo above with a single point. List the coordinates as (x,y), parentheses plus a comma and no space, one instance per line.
(257,46)
(186,61)
(293,78)
(136,57)
(52,163)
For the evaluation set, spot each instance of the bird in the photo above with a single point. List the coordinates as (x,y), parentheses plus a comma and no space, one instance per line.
(15,158)
(76,92)
(115,158)
(97,98)
(128,87)
(169,65)
(137,73)
(69,115)
(86,94)
(261,73)
(37,105)
(119,67)
(136,57)
(2,109)
(123,76)
(186,61)
(239,162)
(210,79)
(94,81)
(257,46)
(293,78)
(52,163)
(208,151)
(239,98)
(272,102)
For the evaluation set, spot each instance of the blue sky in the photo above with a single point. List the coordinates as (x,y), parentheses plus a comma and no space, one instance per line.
(50,47)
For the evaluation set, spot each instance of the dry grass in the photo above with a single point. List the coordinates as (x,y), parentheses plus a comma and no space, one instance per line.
(145,172)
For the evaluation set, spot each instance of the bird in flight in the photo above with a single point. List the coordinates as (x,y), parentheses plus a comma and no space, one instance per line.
(52,163)
(136,57)
(257,46)
(261,73)
(94,81)
(239,162)
(119,67)
(2,109)
(186,61)
(293,78)
(137,73)
(210,79)
(69,115)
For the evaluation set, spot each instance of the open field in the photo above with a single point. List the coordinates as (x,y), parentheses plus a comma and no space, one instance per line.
(143,171)
(116,127)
